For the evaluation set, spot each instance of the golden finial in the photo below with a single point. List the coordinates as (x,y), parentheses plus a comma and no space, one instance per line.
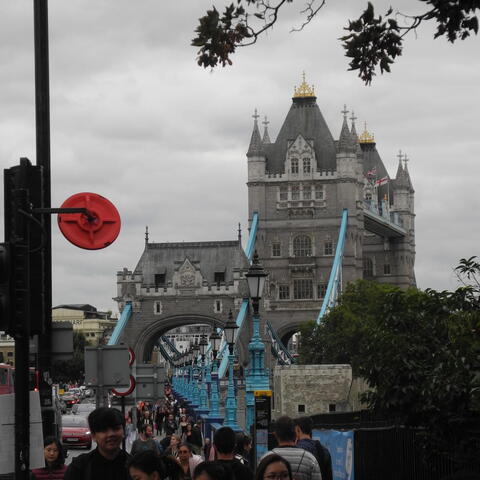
(366,137)
(304,90)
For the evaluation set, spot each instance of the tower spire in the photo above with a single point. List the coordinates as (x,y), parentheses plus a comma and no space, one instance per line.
(266,137)
(353,130)
(256,143)
(406,172)
(345,142)
(400,157)
(146,235)
(239,233)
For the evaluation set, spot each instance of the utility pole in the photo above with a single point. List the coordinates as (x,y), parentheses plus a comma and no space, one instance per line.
(42,118)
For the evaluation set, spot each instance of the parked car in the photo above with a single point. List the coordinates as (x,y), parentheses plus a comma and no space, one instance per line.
(69,400)
(75,431)
(83,409)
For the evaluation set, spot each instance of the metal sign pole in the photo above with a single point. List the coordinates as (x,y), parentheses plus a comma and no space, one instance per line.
(42,118)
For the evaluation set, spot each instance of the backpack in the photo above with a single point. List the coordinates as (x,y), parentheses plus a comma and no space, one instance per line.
(324,461)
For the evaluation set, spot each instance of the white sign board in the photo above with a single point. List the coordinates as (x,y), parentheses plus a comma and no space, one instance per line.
(7,433)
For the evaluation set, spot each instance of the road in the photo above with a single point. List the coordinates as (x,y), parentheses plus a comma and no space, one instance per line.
(76,451)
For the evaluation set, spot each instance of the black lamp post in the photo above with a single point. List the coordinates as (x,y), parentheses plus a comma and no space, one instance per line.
(231,402)
(196,392)
(257,376)
(215,341)
(229,329)
(203,385)
(256,277)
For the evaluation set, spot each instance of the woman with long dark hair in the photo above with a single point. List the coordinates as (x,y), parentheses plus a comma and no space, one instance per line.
(54,461)
(274,467)
(147,465)
(212,471)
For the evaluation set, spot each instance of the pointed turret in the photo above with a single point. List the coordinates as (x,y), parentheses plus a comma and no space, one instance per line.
(266,136)
(353,130)
(304,118)
(345,142)
(256,153)
(256,142)
(401,179)
(407,173)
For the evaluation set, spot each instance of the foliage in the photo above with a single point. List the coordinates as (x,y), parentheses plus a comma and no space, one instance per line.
(418,350)
(72,370)
(372,41)
(340,338)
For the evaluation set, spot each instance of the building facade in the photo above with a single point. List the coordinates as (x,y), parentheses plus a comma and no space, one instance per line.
(299,185)
(86,319)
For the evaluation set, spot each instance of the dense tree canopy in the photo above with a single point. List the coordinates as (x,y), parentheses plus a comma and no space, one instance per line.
(418,350)
(372,41)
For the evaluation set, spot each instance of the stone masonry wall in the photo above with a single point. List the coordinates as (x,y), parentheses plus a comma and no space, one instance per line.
(309,389)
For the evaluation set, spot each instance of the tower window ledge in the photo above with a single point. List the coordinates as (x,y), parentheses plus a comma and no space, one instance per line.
(301,211)
(309,268)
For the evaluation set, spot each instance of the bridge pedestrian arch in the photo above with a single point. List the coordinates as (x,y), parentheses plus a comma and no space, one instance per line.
(147,338)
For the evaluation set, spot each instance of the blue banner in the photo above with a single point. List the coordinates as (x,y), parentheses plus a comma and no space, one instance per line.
(340,446)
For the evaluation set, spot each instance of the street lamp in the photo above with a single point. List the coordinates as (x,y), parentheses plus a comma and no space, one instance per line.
(215,341)
(196,392)
(257,375)
(231,402)
(256,277)
(188,368)
(203,385)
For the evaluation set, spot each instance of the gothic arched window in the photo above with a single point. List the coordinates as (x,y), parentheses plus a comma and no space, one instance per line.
(294,165)
(306,165)
(367,267)
(302,246)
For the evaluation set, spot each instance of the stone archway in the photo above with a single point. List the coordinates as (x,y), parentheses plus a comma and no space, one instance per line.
(148,336)
(287,331)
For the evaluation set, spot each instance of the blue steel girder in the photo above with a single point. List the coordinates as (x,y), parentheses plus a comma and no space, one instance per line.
(121,324)
(334,282)
(279,350)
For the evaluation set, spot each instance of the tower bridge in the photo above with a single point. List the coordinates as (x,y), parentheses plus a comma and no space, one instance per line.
(299,188)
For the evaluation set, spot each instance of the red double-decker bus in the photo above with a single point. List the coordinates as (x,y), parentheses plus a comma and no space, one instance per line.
(7,379)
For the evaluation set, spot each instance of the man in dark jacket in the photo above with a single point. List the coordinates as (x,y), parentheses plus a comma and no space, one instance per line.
(108,460)
(224,443)
(170,425)
(303,430)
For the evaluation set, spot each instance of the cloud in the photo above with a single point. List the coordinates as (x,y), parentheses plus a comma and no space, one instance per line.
(136,120)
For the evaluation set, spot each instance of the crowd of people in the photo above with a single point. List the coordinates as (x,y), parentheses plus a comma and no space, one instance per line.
(163,442)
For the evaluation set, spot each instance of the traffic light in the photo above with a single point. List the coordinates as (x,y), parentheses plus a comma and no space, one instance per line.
(22,256)
(4,288)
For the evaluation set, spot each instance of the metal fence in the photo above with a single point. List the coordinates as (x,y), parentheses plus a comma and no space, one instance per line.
(384,449)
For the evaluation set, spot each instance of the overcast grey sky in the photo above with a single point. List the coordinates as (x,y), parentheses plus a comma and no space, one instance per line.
(134,118)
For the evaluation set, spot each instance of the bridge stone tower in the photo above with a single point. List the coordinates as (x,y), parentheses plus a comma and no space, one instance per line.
(299,184)
(176,284)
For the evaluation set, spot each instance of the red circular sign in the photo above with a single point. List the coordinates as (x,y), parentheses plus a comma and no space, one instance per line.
(94,231)
(127,392)
(131,356)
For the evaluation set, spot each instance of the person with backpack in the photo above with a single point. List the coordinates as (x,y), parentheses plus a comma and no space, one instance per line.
(303,430)
(304,464)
